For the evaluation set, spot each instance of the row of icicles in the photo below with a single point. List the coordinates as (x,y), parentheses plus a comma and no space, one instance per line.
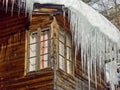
(26,4)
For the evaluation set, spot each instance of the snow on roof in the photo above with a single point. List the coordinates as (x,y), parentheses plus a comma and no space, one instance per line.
(99,21)
(94,18)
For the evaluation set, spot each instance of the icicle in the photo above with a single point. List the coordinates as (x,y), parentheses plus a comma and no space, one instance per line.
(64,16)
(24,3)
(100,57)
(69,15)
(6,5)
(82,60)
(82,51)
(3,2)
(119,55)
(19,4)
(13,1)
(88,68)
(90,48)
(95,64)
(29,7)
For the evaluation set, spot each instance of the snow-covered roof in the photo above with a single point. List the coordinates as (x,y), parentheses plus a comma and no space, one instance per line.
(93,17)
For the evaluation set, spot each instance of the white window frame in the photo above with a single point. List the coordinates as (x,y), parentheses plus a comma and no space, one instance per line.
(65,67)
(27,50)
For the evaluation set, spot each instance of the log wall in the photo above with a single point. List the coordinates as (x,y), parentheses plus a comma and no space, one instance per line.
(12,58)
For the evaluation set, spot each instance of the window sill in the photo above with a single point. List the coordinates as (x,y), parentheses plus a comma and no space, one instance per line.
(65,73)
(39,72)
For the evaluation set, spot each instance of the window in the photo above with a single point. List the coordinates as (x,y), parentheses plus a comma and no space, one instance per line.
(33,51)
(37,50)
(65,55)
(44,49)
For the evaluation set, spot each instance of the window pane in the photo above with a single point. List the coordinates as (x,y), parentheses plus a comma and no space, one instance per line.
(44,43)
(34,47)
(69,67)
(61,48)
(61,63)
(44,50)
(68,40)
(44,47)
(62,38)
(44,35)
(61,32)
(69,53)
(33,37)
(32,64)
(43,61)
(33,50)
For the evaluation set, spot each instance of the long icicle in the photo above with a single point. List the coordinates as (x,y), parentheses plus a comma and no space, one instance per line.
(3,2)
(13,1)
(88,70)
(6,5)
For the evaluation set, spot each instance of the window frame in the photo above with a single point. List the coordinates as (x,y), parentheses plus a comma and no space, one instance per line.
(27,50)
(49,38)
(65,52)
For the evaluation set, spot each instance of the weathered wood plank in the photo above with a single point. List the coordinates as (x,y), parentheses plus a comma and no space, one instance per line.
(12,59)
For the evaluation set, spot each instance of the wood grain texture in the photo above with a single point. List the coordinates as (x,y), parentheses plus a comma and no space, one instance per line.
(12,58)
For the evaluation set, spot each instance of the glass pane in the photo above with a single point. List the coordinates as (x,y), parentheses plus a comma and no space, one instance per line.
(33,50)
(43,61)
(61,63)
(44,43)
(69,67)
(44,47)
(62,38)
(44,35)
(61,32)
(32,64)
(33,37)
(61,49)
(68,40)
(68,53)
(44,50)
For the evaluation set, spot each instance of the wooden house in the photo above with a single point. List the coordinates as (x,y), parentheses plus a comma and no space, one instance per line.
(38,53)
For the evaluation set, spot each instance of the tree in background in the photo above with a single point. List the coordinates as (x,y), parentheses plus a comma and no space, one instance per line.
(109,8)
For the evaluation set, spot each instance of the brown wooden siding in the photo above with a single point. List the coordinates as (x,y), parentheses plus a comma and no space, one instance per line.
(66,81)
(12,59)
(12,24)
(40,21)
